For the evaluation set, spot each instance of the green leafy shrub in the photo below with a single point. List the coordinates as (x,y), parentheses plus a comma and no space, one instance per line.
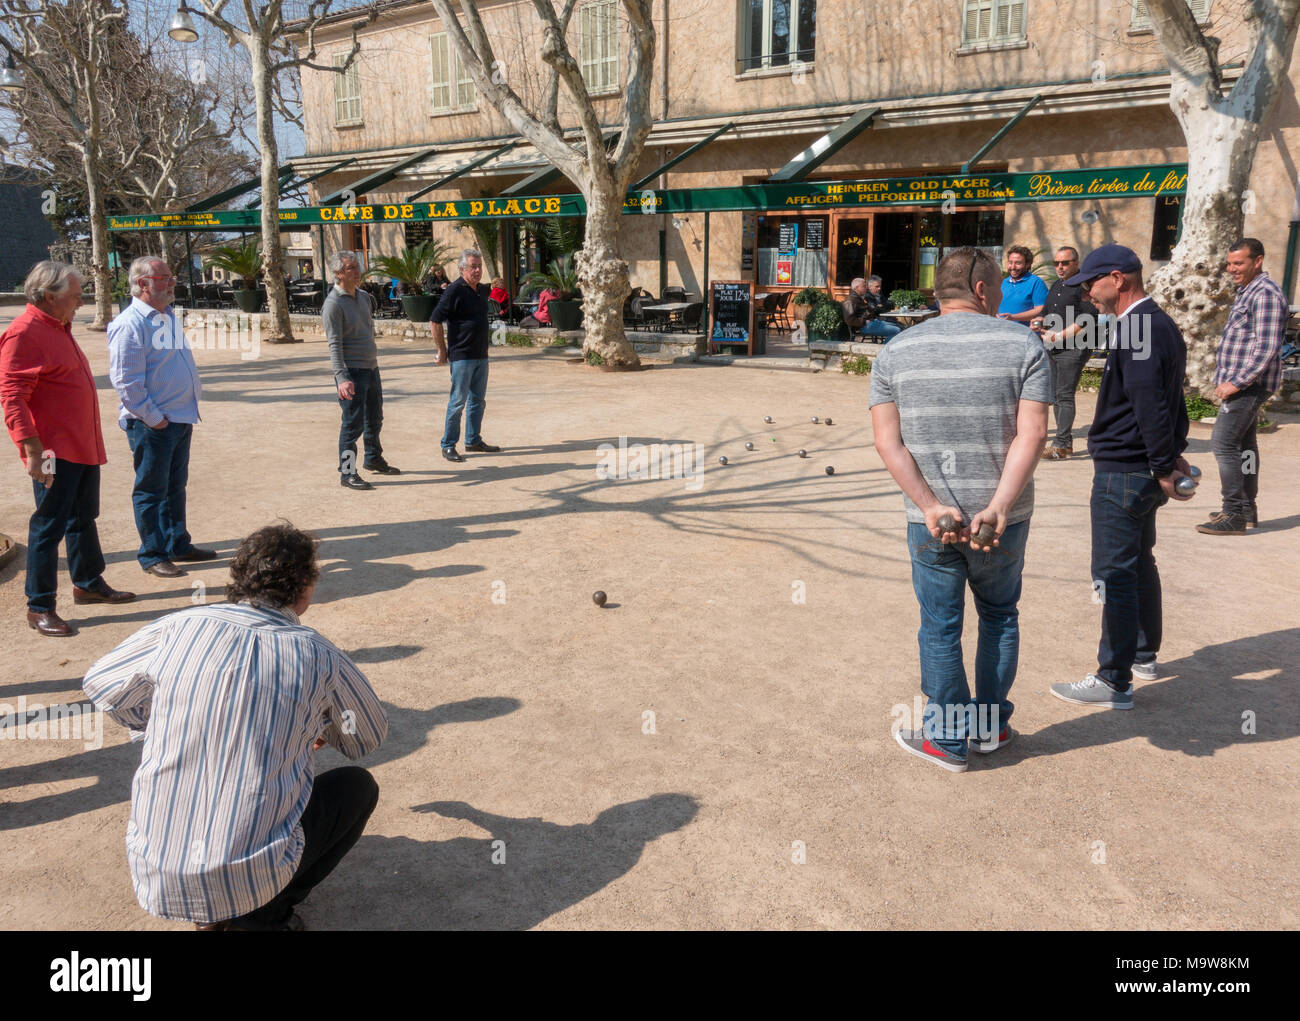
(1198,408)
(908,299)
(519,340)
(856,365)
(826,321)
(1090,379)
(594,358)
(811,296)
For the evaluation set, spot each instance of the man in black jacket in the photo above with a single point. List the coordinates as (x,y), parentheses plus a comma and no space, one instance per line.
(464,309)
(1138,436)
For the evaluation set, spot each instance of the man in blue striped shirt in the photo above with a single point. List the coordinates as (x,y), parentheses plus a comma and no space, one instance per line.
(229,827)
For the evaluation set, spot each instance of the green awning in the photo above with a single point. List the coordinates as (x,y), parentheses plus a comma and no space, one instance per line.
(376,180)
(825,147)
(684,155)
(235,191)
(473,164)
(998,135)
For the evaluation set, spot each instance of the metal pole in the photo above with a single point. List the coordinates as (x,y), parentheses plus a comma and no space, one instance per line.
(189,264)
(704,314)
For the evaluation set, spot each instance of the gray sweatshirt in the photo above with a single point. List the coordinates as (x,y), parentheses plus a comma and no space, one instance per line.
(350,331)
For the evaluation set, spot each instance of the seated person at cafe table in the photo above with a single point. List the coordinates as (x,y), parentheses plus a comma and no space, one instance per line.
(862,308)
(1023,293)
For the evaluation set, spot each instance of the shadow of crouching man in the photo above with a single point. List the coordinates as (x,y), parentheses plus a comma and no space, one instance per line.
(525,872)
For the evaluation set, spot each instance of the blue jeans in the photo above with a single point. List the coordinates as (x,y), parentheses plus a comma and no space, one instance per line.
(67,506)
(886,331)
(362,416)
(162,470)
(1124,574)
(939,577)
(469,378)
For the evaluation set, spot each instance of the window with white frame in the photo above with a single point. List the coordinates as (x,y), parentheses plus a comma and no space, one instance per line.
(347,92)
(777,33)
(1141,20)
(598,24)
(451,86)
(993,22)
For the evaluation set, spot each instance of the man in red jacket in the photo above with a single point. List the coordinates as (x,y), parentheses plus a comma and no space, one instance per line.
(52,413)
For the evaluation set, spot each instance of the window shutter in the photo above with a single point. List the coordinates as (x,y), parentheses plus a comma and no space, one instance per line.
(1142,17)
(1011,19)
(347,92)
(598,45)
(441,91)
(466,91)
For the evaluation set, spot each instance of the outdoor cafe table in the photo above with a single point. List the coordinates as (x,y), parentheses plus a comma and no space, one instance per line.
(668,308)
(910,317)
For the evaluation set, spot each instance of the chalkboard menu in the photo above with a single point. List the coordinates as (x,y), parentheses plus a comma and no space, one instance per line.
(788,237)
(418,233)
(731,314)
(815,237)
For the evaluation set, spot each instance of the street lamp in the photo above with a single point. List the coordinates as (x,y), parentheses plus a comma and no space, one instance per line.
(182,27)
(10,78)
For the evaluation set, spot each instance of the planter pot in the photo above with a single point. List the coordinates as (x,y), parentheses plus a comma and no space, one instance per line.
(418,307)
(800,312)
(250,301)
(565,315)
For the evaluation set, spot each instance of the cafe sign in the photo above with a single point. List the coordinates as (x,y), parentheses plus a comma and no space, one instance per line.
(937,190)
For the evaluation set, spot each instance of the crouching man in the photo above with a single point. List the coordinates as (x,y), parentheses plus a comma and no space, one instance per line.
(230,827)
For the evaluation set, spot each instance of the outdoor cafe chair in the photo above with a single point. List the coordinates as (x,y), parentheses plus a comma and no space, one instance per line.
(780,314)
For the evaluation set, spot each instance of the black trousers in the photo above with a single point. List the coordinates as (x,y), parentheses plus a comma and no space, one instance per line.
(362,416)
(66,508)
(337,811)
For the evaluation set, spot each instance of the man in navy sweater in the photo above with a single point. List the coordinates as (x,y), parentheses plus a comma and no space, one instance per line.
(1137,439)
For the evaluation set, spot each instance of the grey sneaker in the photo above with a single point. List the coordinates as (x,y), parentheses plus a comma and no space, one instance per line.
(915,743)
(1001,741)
(1093,691)
(1146,671)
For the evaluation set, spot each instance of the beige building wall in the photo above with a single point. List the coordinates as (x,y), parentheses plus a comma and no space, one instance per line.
(939,103)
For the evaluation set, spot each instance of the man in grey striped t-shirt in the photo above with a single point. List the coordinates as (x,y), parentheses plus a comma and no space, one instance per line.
(959,410)
(230,827)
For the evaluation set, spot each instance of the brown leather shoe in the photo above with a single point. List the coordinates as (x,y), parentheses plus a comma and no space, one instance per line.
(102,593)
(1057,454)
(49,624)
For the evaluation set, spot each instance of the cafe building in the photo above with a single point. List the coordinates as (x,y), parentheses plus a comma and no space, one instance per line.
(795,143)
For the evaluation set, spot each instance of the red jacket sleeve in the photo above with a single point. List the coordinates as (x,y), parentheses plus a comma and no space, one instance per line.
(20,371)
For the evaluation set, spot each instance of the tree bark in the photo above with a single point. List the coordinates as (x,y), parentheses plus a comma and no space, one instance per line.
(280,329)
(604,278)
(1222,135)
(97,214)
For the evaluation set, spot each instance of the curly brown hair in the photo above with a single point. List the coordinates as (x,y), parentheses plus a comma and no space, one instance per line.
(1023,252)
(274,565)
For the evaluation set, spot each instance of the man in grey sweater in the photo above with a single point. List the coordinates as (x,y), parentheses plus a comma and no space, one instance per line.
(350,330)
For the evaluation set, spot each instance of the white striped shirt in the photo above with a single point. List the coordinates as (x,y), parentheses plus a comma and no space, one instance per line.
(229,700)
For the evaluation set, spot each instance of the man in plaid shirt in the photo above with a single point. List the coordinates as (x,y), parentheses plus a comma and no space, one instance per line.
(1249,369)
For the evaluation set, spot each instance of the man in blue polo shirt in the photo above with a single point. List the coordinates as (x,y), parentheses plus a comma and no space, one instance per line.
(1023,293)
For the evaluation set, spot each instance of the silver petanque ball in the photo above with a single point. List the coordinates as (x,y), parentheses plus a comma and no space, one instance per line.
(815,420)
(803,453)
(1186,485)
(722,460)
(749,446)
(767,419)
(598,598)
(830,469)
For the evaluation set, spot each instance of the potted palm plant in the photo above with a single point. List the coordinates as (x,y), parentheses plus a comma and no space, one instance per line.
(245,262)
(409,267)
(560,277)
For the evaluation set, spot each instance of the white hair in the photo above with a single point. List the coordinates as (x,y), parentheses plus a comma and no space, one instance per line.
(337,260)
(48,279)
(467,254)
(855,281)
(141,267)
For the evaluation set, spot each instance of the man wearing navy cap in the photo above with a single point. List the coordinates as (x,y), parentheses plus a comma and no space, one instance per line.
(1138,435)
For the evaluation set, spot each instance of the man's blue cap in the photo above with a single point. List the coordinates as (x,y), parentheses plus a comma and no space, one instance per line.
(1106,259)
